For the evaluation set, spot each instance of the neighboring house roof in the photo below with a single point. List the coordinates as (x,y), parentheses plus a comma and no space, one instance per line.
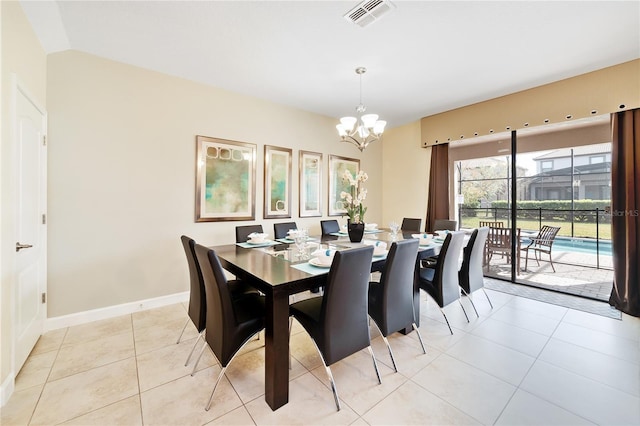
(586,169)
(601,148)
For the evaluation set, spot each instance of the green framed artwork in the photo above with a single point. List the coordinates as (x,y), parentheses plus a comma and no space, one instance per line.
(277,182)
(225,180)
(337,166)
(310,183)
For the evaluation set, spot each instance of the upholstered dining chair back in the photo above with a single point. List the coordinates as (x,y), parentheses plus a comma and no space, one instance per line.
(197,304)
(242,232)
(343,316)
(329,226)
(231,321)
(471,277)
(280,230)
(392,309)
(445,225)
(411,224)
(446,271)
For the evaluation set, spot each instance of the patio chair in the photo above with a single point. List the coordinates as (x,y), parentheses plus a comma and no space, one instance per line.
(499,242)
(541,243)
(498,224)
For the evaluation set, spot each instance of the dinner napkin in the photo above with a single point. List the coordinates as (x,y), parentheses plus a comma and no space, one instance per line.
(257,237)
(324,256)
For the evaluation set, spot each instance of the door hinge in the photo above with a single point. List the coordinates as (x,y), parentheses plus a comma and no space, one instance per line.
(44,140)
(44,297)
(44,219)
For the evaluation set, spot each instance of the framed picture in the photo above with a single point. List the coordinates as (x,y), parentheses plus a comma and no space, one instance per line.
(337,166)
(277,182)
(225,180)
(310,188)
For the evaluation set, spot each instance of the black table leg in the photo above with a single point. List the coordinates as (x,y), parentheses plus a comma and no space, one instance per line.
(276,349)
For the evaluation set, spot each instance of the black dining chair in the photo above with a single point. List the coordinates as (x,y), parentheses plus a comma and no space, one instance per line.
(411,224)
(471,276)
(391,299)
(280,230)
(242,232)
(445,225)
(231,322)
(329,226)
(197,310)
(337,322)
(441,282)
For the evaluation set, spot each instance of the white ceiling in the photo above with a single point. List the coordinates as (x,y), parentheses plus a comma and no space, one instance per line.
(423,58)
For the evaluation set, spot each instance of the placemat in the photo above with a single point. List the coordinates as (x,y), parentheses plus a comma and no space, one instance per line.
(265,244)
(310,269)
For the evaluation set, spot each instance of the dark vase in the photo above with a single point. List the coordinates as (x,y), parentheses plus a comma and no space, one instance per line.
(356,231)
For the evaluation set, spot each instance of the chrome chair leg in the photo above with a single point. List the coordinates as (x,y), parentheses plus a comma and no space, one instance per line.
(328,370)
(415,327)
(375,365)
(445,318)
(393,361)
(485,293)
(198,360)
(224,369)
(183,329)
(463,310)
(214,388)
(470,300)
(194,347)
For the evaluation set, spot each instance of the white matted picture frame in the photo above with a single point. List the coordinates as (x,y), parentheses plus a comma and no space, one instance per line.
(337,166)
(225,180)
(310,183)
(277,182)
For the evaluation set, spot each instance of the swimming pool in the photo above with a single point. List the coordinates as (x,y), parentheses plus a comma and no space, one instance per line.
(582,245)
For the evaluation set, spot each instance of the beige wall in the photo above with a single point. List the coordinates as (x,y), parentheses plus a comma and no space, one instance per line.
(405,169)
(23,57)
(122,175)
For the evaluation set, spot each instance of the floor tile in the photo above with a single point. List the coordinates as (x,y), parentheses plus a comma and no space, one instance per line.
(536,307)
(152,317)
(168,363)
(497,360)
(84,356)
(20,406)
(414,405)
(619,347)
(164,333)
(50,341)
(584,397)
(606,369)
(35,370)
(238,417)
(516,338)
(407,352)
(621,328)
(527,409)
(183,401)
(310,402)
(97,330)
(125,412)
(357,383)
(81,393)
(467,388)
(525,319)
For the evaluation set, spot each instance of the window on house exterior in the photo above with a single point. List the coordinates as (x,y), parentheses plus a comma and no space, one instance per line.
(546,166)
(596,159)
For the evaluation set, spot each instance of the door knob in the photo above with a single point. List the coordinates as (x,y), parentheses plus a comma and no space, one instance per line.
(20,246)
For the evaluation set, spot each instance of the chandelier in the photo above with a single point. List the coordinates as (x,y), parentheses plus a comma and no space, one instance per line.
(364,129)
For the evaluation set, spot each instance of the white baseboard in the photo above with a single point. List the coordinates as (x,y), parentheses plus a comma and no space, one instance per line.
(113,311)
(6,389)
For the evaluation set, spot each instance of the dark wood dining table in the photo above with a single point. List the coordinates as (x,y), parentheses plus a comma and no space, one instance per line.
(277,279)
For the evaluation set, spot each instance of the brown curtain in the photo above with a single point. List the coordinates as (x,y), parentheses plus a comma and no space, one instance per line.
(438,201)
(625,202)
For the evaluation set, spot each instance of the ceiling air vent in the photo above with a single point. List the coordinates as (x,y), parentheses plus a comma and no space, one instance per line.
(368,12)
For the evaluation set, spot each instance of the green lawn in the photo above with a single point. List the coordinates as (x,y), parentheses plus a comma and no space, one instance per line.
(580,229)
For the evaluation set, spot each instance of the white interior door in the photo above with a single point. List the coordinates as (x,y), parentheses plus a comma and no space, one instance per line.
(31,263)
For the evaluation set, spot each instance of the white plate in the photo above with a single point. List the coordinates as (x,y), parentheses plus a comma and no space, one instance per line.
(377,253)
(255,243)
(314,262)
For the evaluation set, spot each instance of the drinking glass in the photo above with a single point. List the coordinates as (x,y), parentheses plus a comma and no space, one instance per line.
(394,227)
(300,240)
